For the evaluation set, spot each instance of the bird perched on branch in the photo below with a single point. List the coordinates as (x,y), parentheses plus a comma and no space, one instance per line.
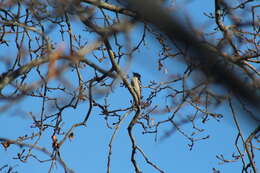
(136,84)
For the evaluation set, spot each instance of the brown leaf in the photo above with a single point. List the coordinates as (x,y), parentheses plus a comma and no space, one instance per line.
(6,144)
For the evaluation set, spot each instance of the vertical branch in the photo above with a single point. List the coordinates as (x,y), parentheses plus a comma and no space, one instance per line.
(249,155)
(110,145)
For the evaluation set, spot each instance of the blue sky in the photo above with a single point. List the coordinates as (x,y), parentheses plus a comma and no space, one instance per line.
(88,151)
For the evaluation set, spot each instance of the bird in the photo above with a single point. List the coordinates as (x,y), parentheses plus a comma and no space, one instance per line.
(136,84)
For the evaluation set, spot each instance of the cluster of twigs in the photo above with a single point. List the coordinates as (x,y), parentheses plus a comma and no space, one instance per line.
(48,48)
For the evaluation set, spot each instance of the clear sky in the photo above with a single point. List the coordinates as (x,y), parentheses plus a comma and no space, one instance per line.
(88,151)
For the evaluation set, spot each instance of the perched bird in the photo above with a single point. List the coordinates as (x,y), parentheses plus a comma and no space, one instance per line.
(136,84)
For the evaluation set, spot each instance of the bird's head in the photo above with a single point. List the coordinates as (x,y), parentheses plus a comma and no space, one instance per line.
(137,75)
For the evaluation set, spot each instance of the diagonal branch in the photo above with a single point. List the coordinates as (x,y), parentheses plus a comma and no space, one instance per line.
(111,7)
(213,65)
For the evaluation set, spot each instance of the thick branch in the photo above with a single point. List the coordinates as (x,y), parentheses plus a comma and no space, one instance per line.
(111,7)
(8,77)
(212,64)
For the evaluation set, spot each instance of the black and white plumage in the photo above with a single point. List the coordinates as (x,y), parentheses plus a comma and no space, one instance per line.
(136,84)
